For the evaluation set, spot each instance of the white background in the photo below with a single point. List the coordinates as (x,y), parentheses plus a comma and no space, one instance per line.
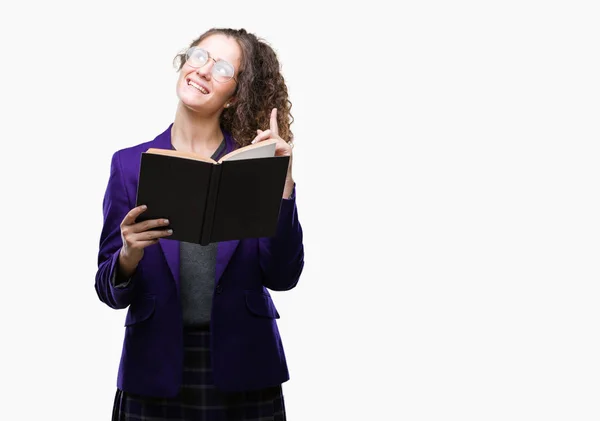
(447,168)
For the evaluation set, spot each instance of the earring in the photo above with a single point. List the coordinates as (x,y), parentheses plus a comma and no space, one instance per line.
(227,105)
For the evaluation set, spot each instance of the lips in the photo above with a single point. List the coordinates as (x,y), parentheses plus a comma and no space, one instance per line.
(198,86)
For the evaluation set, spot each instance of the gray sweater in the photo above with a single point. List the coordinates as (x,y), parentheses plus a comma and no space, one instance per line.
(196,281)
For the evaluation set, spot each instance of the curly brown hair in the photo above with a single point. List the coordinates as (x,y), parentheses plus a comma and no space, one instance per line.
(260,88)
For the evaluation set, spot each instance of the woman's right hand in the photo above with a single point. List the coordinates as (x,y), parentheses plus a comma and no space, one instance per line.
(136,237)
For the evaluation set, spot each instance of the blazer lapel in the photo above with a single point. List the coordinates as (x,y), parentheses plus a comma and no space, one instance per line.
(170,249)
(225,250)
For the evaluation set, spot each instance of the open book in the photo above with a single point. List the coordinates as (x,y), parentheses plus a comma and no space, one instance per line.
(208,201)
(264,149)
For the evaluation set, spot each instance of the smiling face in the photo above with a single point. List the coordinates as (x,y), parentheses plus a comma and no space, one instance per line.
(196,86)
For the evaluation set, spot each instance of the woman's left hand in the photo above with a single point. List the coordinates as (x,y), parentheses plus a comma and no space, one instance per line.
(282,148)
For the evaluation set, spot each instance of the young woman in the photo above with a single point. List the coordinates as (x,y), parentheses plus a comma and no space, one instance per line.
(201,339)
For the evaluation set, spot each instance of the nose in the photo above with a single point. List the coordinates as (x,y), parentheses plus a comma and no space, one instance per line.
(206,70)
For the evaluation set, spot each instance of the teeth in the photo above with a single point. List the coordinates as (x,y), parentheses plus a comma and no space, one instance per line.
(200,88)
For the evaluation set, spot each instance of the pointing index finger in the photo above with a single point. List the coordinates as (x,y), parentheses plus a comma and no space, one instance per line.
(274,128)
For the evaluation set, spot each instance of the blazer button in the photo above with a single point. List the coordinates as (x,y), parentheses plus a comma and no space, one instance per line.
(219,289)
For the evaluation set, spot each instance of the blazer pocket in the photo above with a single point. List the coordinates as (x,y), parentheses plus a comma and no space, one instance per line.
(140,310)
(261,305)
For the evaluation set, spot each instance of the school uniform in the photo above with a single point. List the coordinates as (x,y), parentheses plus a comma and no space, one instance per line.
(201,337)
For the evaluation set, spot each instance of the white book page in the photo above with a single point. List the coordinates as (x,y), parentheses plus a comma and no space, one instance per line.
(266,151)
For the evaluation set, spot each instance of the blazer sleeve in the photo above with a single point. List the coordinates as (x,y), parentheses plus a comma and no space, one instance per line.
(282,256)
(115,206)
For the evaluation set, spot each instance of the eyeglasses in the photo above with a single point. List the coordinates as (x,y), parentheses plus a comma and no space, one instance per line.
(222,71)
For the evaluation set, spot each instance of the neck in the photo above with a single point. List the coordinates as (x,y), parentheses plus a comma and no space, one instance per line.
(194,133)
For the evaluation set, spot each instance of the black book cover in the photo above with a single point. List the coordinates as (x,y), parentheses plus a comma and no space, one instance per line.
(208,202)
(249,198)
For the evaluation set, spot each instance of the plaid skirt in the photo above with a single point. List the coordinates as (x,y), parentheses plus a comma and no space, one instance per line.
(198,398)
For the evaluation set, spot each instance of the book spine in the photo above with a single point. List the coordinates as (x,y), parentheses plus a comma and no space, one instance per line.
(211,204)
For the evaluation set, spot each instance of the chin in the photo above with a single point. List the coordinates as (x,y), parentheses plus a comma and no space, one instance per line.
(193,104)
(190,100)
